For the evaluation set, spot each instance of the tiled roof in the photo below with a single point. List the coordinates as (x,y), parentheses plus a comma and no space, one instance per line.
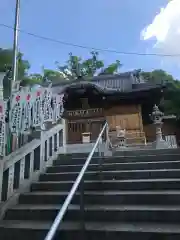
(124,82)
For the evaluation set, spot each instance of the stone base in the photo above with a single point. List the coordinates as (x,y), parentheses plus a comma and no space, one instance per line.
(162,144)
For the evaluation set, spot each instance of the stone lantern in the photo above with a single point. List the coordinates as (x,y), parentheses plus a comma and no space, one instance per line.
(157,117)
(121,136)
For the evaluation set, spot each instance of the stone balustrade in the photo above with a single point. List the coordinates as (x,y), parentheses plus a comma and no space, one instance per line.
(21,167)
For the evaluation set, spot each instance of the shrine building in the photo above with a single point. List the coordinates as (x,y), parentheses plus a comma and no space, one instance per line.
(123,100)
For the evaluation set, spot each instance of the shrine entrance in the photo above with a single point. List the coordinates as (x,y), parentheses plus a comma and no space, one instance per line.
(76,128)
(84,112)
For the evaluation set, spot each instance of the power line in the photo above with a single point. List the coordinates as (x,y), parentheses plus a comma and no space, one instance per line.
(88,47)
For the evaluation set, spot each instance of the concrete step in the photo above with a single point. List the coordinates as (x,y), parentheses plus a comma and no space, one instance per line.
(70,157)
(133,184)
(138,197)
(117,166)
(120,213)
(20,230)
(73,155)
(143,152)
(105,197)
(113,175)
(120,159)
(75,160)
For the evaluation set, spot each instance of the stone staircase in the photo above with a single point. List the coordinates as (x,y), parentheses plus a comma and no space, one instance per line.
(136,196)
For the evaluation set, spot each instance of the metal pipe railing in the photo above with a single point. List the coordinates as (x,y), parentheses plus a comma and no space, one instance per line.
(65,205)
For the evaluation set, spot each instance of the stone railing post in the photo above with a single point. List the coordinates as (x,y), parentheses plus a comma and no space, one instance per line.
(47,149)
(53,145)
(13,182)
(64,135)
(31,168)
(58,143)
(22,170)
(10,181)
(42,149)
(1,176)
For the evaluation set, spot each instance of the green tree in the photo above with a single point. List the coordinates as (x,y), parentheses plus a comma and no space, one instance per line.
(72,69)
(76,67)
(158,76)
(6,62)
(52,75)
(171,101)
(92,65)
(112,68)
(32,79)
(47,75)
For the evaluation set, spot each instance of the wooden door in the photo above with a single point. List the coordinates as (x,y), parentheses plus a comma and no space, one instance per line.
(95,130)
(76,128)
(125,121)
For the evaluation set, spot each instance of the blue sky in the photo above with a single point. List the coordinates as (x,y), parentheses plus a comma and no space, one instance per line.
(106,24)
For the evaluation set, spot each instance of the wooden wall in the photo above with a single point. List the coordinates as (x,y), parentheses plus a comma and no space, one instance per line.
(128,117)
(75,128)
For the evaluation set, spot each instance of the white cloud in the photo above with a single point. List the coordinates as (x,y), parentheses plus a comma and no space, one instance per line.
(165,28)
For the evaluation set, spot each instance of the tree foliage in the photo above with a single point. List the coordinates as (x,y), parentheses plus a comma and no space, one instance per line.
(6,62)
(112,68)
(32,79)
(171,101)
(47,75)
(158,76)
(90,67)
(76,67)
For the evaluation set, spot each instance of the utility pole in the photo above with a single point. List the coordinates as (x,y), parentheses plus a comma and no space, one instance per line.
(15,140)
(15,44)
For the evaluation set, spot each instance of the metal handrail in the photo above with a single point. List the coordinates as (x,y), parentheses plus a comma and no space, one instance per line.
(65,205)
